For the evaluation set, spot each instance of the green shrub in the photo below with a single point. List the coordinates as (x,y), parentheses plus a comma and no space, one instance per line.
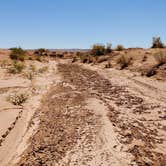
(17,54)
(16,68)
(157,43)
(160,58)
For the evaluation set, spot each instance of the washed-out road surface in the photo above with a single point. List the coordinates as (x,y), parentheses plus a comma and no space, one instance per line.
(86,119)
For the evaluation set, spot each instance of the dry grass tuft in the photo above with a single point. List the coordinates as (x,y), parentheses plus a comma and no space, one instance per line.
(124,61)
(18,98)
(17,67)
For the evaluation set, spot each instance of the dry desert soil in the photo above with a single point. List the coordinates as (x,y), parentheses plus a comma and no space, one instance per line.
(83,115)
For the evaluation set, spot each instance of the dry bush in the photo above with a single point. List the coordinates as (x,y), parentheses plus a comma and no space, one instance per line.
(151,72)
(144,58)
(124,61)
(17,54)
(108,48)
(157,43)
(43,70)
(5,63)
(108,65)
(74,59)
(41,52)
(16,68)
(119,48)
(29,75)
(32,67)
(88,59)
(39,58)
(97,50)
(160,58)
(18,98)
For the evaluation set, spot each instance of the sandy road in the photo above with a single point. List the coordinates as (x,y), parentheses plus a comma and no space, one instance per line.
(86,120)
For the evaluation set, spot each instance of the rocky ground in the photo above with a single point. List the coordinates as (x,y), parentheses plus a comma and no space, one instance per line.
(85,119)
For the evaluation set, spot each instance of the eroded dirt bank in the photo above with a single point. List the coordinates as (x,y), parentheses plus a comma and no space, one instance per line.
(85,120)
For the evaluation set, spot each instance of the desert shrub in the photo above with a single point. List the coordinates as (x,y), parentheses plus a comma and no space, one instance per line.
(18,98)
(41,52)
(39,58)
(97,50)
(16,68)
(108,48)
(4,64)
(151,72)
(30,58)
(88,59)
(43,69)
(60,55)
(29,75)
(78,54)
(32,67)
(108,65)
(119,48)
(144,58)
(74,59)
(157,43)
(160,58)
(17,54)
(124,61)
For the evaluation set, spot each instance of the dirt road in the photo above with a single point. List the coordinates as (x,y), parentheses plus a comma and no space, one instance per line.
(85,120)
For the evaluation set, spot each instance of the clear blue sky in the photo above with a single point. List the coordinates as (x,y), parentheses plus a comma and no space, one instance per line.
(81,23)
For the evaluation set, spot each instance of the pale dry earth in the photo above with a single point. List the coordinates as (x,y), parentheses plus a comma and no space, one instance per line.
(92,117)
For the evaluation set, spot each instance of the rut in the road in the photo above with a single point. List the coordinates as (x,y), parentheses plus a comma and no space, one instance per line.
(63,116)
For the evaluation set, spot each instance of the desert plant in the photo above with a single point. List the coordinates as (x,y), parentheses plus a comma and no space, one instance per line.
(144,58)
(124,61)
(119,48)
(32,67)
(18,98)
(16,68)
(43,69)
(97,50)
(39,58)
(17,54)
(108,65)
(160,58)
(151,72)
(29,75)
(74,59)
(108,48)
(5,63)
(41,52)
(157,43)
